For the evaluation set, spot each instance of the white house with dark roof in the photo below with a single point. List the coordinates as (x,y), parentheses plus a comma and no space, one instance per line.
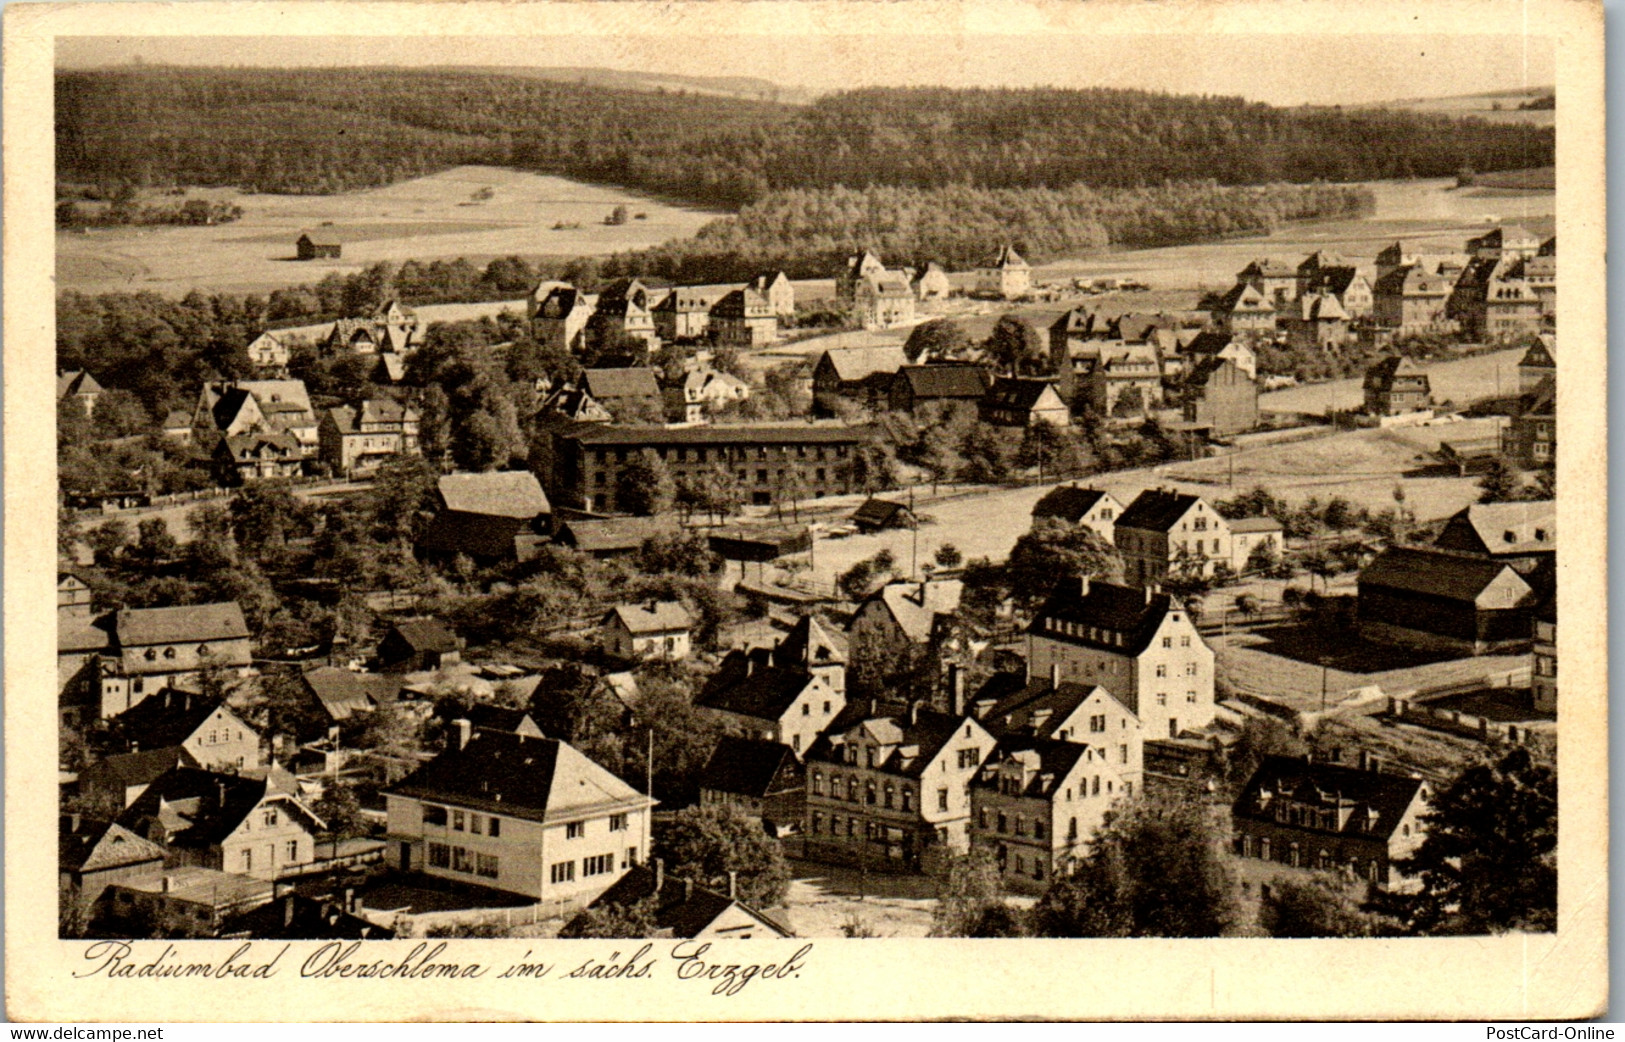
(1006,275)
(649,629)
(1163,530)
(94,854)
(357,440)
(80,386)
(885,301)
(1444,600)
(153,648)
(763,694)
(267,352)
(1140,645)
(899,615)
(210,732)
(1013,705)
(1092,508)
(683,909)
(531,816)
(253,824)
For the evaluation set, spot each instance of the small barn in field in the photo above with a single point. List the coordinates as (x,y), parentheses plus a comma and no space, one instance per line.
(318,245)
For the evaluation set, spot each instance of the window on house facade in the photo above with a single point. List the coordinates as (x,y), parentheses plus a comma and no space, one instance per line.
(869,793)
(968,758)
(486,865)
(247,860)
(433,815)
(1184,642)
(818,783)
(270,816)
(617,822)
(462,860)
(1167,642)
(598,865)
(942,799)
(439,855)
(575,830)
(891,795)
(908,798)
(496,827)
(1162,671)
(457,821)
(564,872)
(474,824)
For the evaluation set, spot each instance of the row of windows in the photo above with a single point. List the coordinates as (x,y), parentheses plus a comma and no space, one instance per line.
(1184,641)
(1261,848)
(151,654)
(681,454)
(1190,670)
(850,791)
(460,859)
(1000,823)
(601,478)
(873,831)
(1019,863)
(245,858)
(222,736)
(1077,629)
(1162,697)
(597,865)
(462,821)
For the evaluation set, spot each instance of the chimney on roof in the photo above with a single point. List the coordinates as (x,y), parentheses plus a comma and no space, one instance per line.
(166,884)
(956,689)
(287,911)
(874,707)
(73,822)
(220,791)
(465,731)
(1054,675)
(733,885)
(1083,586)
(660,874)
(1150,591)
(352,904)
(688,889)
(913,713)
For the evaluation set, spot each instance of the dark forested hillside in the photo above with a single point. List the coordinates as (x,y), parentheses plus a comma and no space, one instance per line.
(311,130)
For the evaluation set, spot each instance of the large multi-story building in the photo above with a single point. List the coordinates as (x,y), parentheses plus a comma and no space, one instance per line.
(768,463)
(887,782)
(110,663)
(1140,645)
(532,816)
(1164,531)
(744,318)
(358,440)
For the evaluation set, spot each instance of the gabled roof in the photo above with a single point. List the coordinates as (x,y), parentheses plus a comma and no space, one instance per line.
(75,634)
(1049,760)
(575,403)
(1069,502)
(916,605)
(680,909)
(560,301)
(1019,393)
(1435,573)
(193,623)
(1322,307)
(1334,280)
(810,644)
(94,845)
(487,717)
(430,635)
(242,447)
(76,381)
(199,808)
(1007,257)
(541,779)
(1381,374)
(751,767)
(742,303)
(1208,343)
(1269,267)
(168,718)
(627,382)
(141,767)
(652,617)
(881,513)
(916,735)
(391,367)
(1250,525)
(1108,617)
(1034,708)
(1502,528)
(344,692)
(945,381)
(1157,510)
(1413,280)
(610,534)
(1379,801)
(1243,296)
(503,493)
(1079,321)
(859,363)
(764,692)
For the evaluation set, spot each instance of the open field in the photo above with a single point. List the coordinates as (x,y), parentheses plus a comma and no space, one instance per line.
(1460,381)
(1483,106)
(425,218)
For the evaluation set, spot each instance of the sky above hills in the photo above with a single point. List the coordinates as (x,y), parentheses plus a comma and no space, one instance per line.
(1279,69)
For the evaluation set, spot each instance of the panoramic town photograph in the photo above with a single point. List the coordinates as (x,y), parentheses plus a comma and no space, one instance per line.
(567,492)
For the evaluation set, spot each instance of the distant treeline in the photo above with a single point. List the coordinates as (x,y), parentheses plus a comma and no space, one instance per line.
(328,130)
(808,233)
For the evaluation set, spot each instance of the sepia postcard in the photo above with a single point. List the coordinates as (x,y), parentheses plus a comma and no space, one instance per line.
(818,510)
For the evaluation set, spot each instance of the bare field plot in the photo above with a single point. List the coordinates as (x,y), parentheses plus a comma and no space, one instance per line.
(471,211)
(1461,381)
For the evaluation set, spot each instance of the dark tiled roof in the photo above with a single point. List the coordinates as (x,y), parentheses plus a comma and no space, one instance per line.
(1068,502)
(142,767)
(344,692)
(765,692)
(605,535)
(810,643)
(138,627)
(652,616)
(1208,343)
(1156,510)
(1382,373)
(90,844)
(1120,619)
(880,513)
(1323,785)
(167,718)
(487,717)
(1054,760)
(426,635)
(751,767)
(945,381)
(920,735)
(198,808)
(505,773)
(1434,573)
(1036,709)
(1016,393)
(681,909)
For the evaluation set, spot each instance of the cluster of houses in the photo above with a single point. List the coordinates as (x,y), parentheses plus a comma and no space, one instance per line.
(1502,286)
(628,317)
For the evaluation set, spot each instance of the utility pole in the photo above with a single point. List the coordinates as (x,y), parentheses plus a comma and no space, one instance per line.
(914,531)
(1323,687)
(649,791)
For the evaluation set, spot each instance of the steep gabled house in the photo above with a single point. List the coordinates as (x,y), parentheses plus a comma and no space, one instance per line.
(73,596)
(1440,599)
(212,735)
(684,314)
(864,374)
(116,781)
(705,390)
(1396,385)
(489,516)
(1537,363)
(1005,275)
(1011,705)
(1412,299)
(1219,397)
(1163,531)
(80,386)
(1244,312)
(887,782)
(1036,804)
(899,618)
(1022,402)
(921,386)
(622,309)
(1348,287)
(762,694)
(630,393)
(1141,646)
(343,693)
(531,816)
(649,630)
(884,301)
(1274,279)
(1530,436)
(252,826)
(1522,534)
(242,459)
(1320,323)
(932,283)
(153,648)
(779,291)
(358,440)
(1328,817)
(1092,508)
(857,268)
(558,316)
(93,854)
(267,352)
(575,405)
(744,318)
(418,645)
(763,780)
(1208,344)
